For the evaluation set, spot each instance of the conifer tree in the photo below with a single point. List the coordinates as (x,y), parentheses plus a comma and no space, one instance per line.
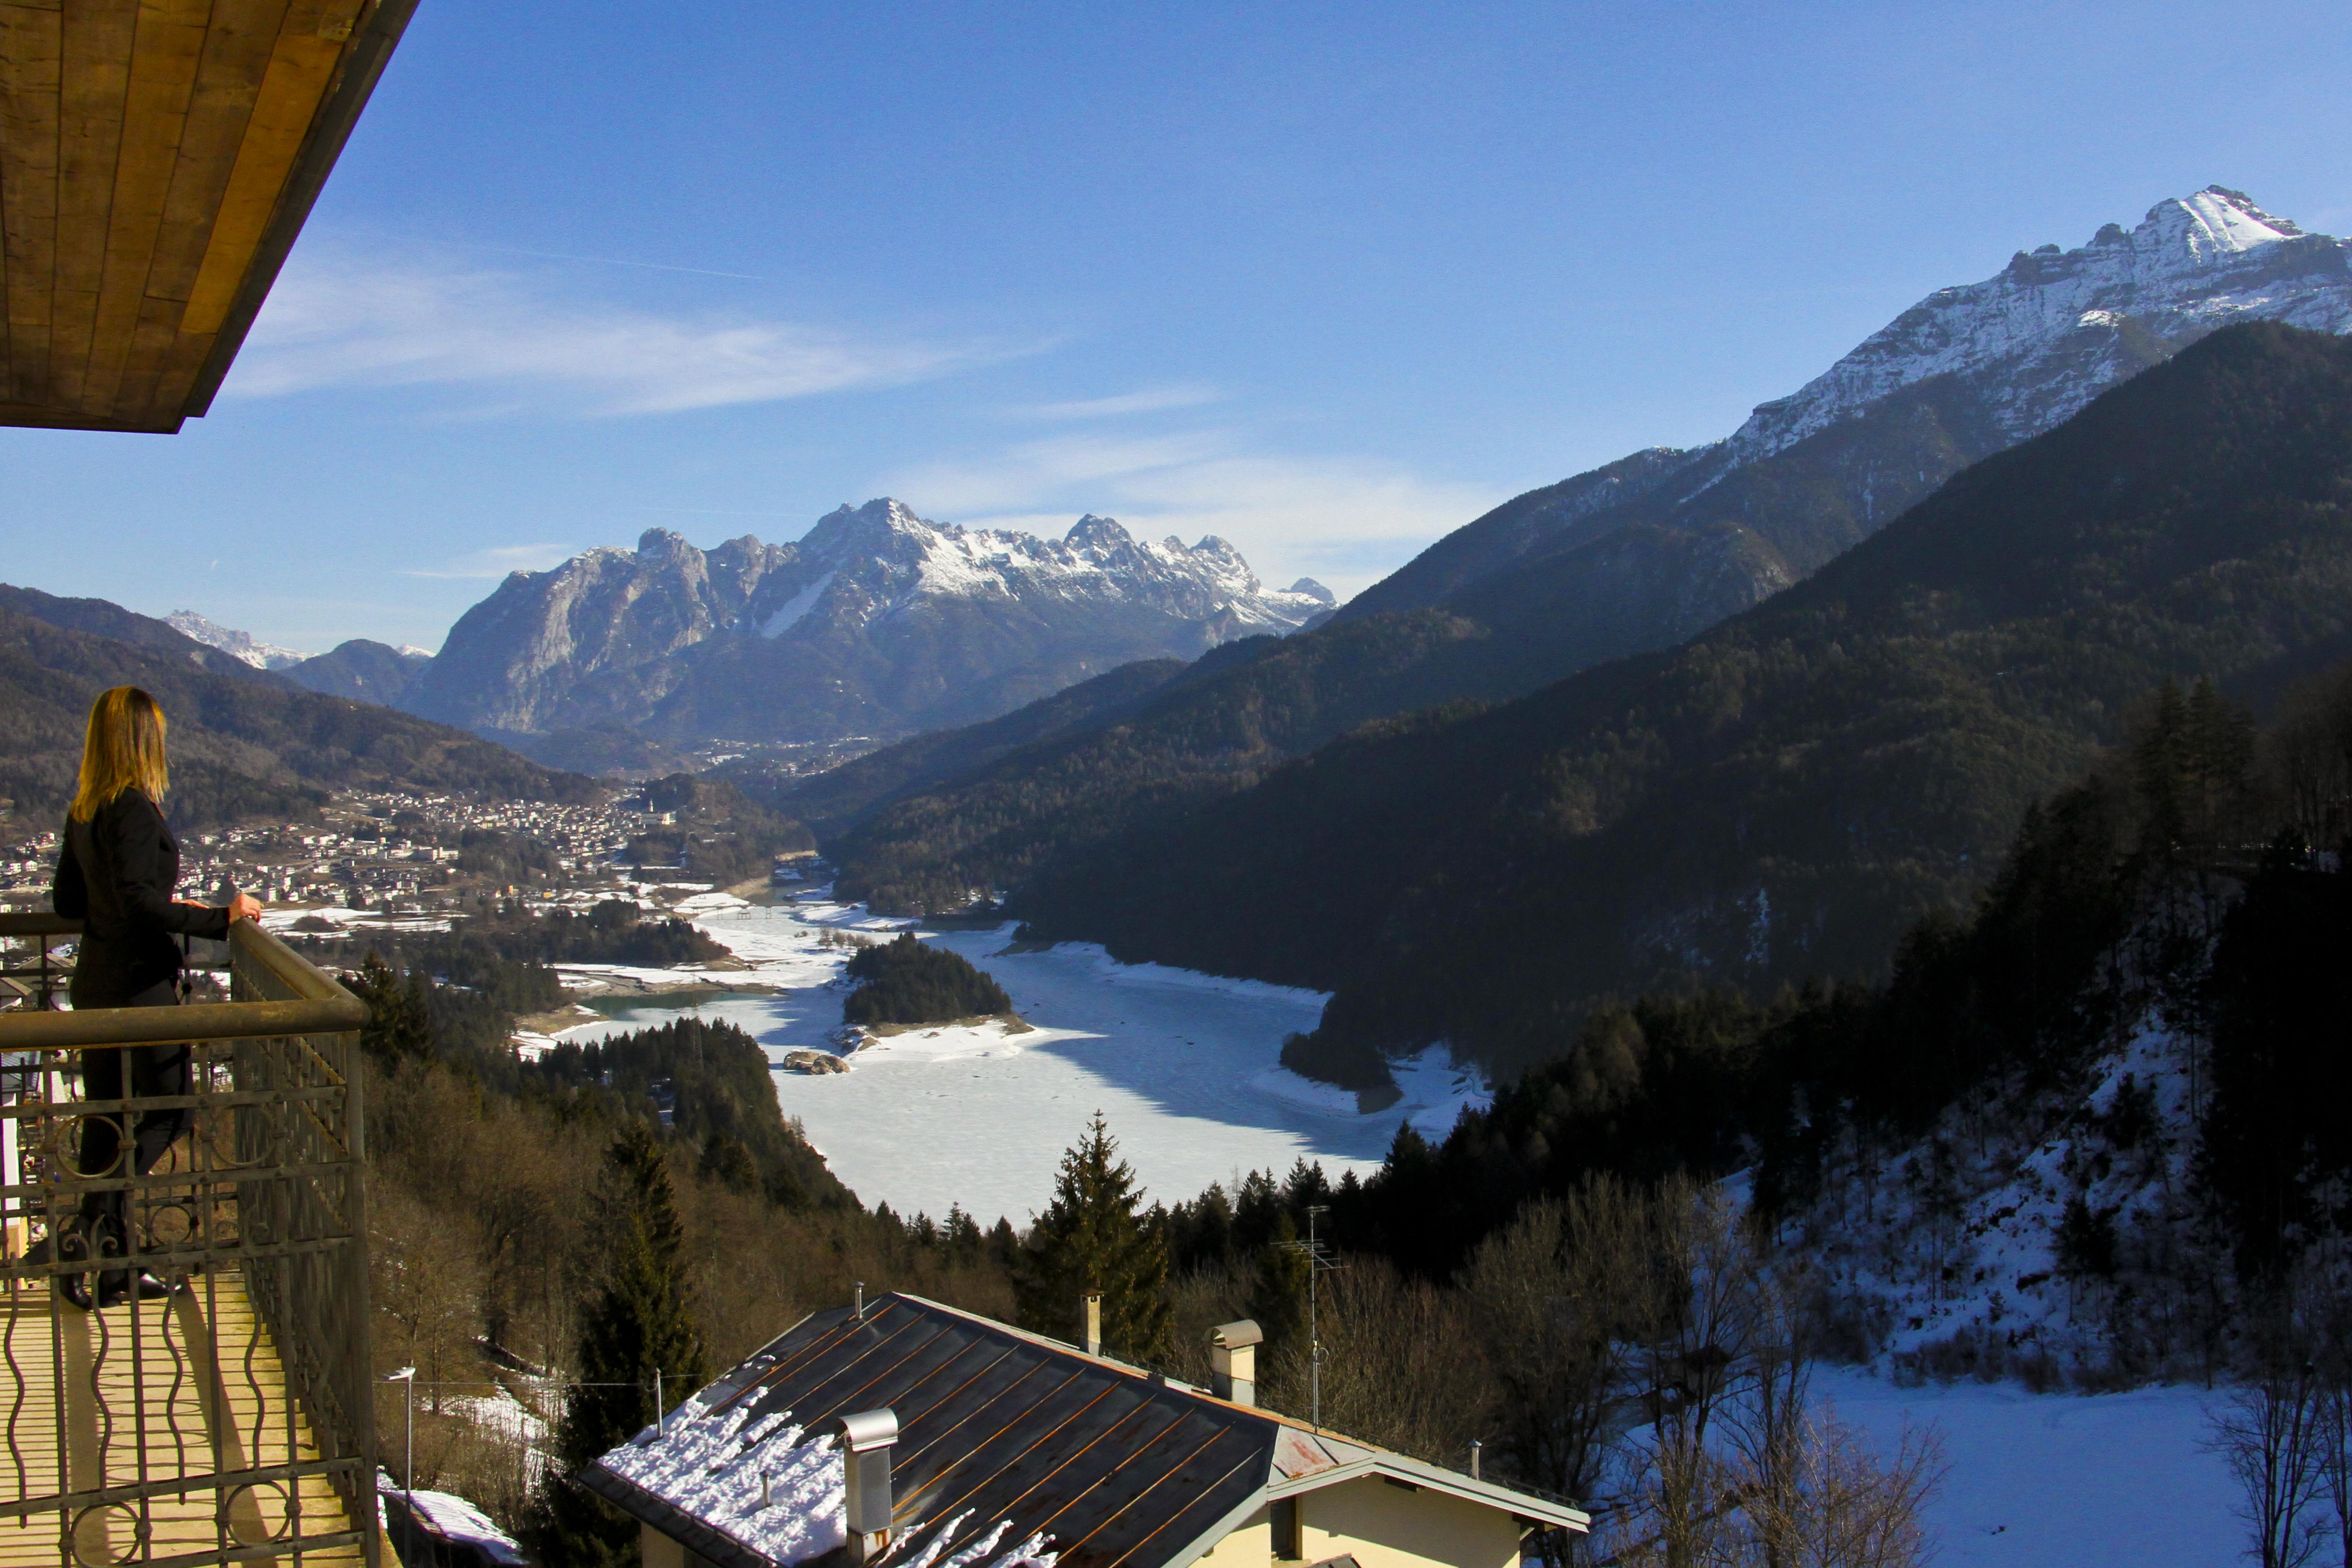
(398,1026)
(1091,1237)
(640,1324)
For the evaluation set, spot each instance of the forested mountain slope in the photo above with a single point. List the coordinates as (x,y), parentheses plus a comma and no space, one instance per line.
(839,797)
(1965,373)
(1237,711)
(1782,796)
(242,746)
(1649,550)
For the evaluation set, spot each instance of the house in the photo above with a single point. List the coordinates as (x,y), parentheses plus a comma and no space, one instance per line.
(908,1433)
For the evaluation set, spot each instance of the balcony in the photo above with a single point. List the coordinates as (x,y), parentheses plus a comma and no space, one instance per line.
(231,1421)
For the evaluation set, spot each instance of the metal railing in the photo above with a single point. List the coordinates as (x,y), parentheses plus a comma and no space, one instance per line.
(232,1420)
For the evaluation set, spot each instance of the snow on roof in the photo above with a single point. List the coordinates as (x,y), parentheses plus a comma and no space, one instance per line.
(454,1519)
(770,1486)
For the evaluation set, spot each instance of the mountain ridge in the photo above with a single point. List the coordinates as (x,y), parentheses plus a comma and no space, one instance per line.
(1969,371)
(877,621)
(1779,798)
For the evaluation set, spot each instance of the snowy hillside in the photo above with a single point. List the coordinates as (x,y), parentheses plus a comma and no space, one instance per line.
(2047,1236)
(877,621)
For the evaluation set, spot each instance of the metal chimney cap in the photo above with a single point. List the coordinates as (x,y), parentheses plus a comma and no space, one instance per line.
(867,1429)
(1236,1336)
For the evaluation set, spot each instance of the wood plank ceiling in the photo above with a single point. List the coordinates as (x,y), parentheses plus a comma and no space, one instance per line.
(157,159)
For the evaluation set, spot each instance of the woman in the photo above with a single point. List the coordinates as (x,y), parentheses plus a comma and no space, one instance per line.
(116,871)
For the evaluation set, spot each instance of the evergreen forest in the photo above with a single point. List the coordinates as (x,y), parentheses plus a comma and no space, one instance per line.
(905,980)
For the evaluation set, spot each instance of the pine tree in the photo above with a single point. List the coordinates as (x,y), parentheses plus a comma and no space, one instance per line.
(1091,1237)
(641,1323)
(399,1027)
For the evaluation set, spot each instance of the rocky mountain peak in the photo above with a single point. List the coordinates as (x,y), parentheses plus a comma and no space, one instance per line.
(2055,327)
(871,611)
(237,645)
(1092,533)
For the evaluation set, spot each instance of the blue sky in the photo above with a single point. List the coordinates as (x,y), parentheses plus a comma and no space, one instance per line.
(1328,281)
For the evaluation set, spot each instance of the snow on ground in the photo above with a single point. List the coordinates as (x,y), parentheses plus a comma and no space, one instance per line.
(1185,1067)
(281,918)
(2057,1480)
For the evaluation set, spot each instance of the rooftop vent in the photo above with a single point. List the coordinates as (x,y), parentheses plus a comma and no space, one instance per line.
(1233,1361)
(865,1441)
(1090,1309)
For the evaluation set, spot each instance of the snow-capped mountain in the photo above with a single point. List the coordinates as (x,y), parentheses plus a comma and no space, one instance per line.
(876,622)
(236,644)
(1964,373)
(2053,329)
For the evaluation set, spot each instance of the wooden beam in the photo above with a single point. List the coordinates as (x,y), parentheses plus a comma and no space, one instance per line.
(95,76)
(170,43)
(309,49)
(32,46)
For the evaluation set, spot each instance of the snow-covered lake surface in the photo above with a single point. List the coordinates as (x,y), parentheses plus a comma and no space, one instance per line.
(1185,1067)
(2058,1481)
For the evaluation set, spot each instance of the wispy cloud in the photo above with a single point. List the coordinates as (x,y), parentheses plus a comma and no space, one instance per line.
(330,323)
(1345,520)
(1153,400)
(495,561)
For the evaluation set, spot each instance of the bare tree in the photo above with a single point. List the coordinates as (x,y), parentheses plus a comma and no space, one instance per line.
(1557,1300)
(1770,1429)
(1400,1364)
(2335,1451)
(1839,1504)
(1702,1318)
(2270,1433)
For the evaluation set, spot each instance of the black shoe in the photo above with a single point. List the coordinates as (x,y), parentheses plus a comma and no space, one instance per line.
(113,1288)
(72,1244)
(153,1289)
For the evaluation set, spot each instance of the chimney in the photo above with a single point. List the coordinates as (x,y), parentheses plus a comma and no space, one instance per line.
(1091,1305)
(1233,1361)
(866,1440)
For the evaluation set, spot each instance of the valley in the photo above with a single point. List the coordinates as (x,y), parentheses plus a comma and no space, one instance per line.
(1811,937)
(1186,1066)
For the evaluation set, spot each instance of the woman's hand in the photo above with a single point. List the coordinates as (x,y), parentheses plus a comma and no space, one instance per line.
(244,907)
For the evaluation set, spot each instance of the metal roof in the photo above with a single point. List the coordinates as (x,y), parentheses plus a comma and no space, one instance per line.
(1122,1468)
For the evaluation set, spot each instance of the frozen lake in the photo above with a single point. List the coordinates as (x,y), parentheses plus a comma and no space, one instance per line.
(1186,1067)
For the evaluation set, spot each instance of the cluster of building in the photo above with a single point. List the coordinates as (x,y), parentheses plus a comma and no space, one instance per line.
(394,852)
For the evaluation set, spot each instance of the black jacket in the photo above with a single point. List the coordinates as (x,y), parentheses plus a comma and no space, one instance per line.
(116,873)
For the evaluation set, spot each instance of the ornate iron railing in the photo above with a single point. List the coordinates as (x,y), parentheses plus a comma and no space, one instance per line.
(230,1420)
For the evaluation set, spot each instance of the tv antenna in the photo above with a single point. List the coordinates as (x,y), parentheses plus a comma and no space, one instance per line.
(1320,1260)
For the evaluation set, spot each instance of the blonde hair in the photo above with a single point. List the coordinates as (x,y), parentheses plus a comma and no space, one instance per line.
(123,749)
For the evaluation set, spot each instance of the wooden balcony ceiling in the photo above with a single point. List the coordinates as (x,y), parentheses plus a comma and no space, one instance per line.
(157,158)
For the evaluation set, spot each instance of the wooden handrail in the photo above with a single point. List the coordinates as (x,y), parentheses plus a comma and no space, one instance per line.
(318,1007)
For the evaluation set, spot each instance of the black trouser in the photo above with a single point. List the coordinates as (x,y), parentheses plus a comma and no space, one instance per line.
(154,1072)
